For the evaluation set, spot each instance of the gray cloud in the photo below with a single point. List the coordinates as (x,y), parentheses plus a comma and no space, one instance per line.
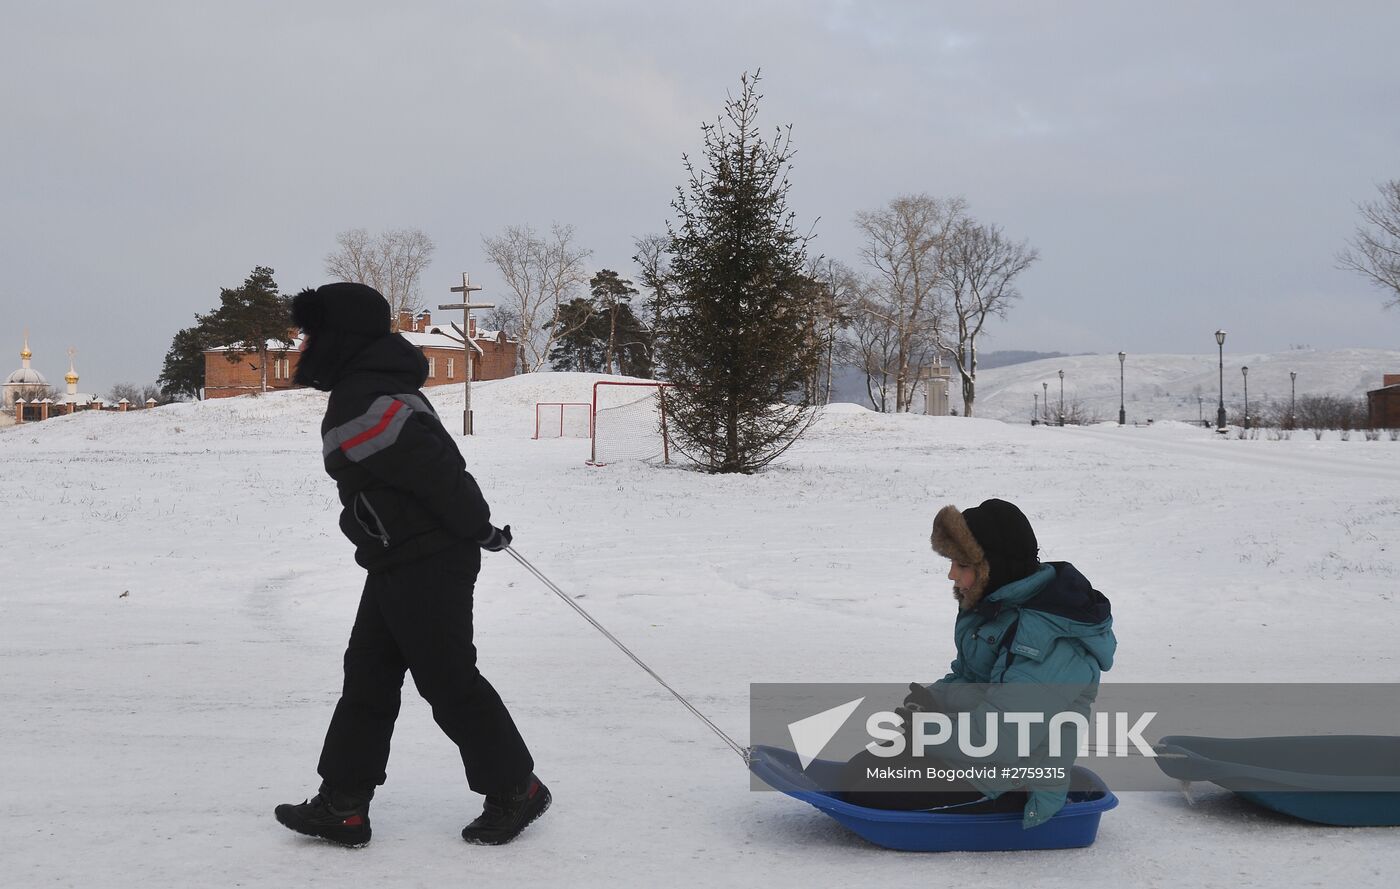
(1181,167)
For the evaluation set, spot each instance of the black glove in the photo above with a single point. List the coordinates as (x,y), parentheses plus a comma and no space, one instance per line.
(495,539)
(919,700)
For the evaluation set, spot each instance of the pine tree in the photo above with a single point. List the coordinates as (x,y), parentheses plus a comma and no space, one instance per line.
(249,318)
(602,334)
(579,347)
(735,330)
(612,294)
(183,372)
(633,345)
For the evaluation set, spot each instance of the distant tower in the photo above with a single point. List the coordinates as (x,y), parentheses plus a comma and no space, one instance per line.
(25,378)
(936,379)
(71,378)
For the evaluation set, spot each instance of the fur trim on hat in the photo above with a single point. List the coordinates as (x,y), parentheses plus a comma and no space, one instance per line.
(953,539)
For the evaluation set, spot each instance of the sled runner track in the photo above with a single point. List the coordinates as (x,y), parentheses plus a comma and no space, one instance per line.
(1259,458)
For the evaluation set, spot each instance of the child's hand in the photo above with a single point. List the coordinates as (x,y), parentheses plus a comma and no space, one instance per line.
(919,700)
(495,539)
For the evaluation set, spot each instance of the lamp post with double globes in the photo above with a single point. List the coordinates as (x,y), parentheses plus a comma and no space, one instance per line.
(1220,411)
(1292,398)
(1245,372)
(1062,398)
(1122,413)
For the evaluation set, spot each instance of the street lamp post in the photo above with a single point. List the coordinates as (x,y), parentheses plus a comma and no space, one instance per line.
(1292,398)
(1201,409)
(1045,388)
(1122,413)
(1062,398)
(1220,411)
(1035,414)
(1245,372)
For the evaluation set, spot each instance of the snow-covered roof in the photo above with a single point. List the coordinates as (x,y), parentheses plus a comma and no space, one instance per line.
(442,340)
(429,339)
(432,340)
(26,376)
(272,346)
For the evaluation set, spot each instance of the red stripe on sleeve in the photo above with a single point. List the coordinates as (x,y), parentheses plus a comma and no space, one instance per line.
(378,428)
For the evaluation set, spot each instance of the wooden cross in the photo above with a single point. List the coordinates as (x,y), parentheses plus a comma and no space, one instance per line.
(466,305)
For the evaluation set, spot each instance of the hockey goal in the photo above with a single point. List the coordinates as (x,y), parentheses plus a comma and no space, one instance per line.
(563,419)
(629,422)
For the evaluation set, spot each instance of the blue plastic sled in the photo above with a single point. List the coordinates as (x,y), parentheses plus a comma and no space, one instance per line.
(1343,780)
(1073,826)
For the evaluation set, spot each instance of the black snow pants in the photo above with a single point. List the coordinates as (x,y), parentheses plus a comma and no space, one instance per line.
(418,617)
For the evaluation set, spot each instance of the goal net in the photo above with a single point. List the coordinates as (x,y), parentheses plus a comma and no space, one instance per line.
(556,419)
(629,422)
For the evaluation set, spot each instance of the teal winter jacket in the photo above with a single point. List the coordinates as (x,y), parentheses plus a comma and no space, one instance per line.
(1037,644)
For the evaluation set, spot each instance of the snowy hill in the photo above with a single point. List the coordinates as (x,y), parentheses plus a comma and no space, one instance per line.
(1165,387)
(177,598)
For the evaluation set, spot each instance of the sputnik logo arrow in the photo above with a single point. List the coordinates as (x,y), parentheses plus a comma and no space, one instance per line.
(812,734)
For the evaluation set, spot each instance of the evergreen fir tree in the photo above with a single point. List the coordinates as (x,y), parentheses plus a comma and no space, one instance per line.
(735,334)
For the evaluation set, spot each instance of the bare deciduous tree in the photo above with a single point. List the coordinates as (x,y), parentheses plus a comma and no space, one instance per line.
(30,393)
(979,272)
(905,243)
(870,342)
(655,265)
(136,395)
(1374,250)
(541,273)
(504,318)
(391,262)
(836,291)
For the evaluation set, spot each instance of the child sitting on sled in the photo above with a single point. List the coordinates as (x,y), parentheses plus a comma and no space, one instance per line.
(1025,630)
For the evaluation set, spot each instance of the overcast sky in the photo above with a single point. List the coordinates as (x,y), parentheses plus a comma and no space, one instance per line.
(1180,167)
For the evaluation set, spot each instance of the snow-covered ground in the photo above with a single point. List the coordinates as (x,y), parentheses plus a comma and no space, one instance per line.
(176,597)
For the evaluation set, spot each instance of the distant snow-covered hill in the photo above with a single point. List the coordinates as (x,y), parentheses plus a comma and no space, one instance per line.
(1167,387)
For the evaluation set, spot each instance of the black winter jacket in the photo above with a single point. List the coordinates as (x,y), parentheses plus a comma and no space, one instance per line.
(404,487)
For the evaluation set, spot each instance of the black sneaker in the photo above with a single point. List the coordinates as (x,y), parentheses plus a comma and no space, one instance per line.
(503,817)
(329,815)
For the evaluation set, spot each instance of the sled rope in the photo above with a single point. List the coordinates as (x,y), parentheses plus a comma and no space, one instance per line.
(733,745)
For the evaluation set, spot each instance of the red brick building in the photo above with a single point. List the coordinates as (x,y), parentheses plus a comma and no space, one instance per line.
(1384,403)
(493,358)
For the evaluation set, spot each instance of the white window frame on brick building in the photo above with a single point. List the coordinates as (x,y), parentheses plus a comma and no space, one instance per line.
(432,368)
(450,375)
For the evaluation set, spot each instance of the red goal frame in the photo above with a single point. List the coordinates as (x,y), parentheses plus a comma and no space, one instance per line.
(593,418)
(561,405)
